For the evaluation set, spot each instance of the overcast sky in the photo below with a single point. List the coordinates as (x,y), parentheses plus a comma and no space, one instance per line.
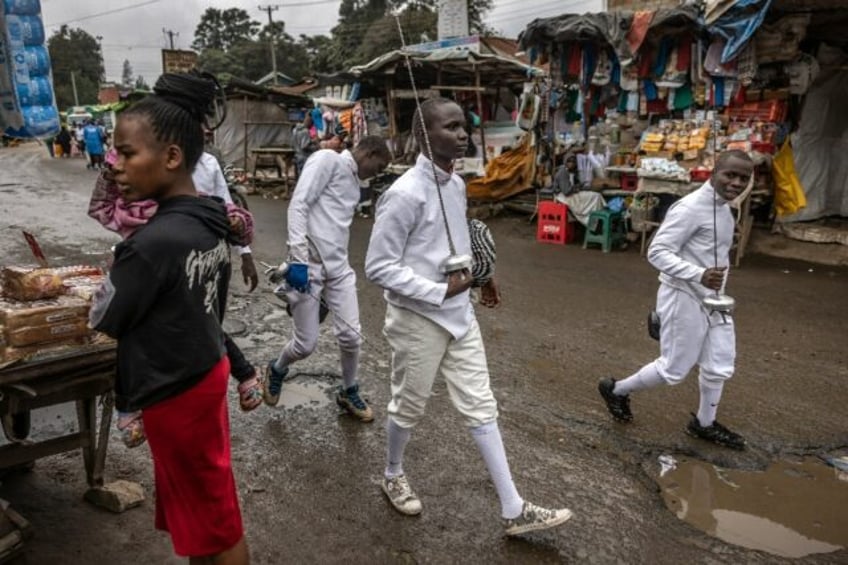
(133,29)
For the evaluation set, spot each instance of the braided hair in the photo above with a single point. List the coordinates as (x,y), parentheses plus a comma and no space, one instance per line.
(178,111)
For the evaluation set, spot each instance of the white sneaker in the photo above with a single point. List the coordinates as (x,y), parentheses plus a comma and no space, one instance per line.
(534,518)
(400,494)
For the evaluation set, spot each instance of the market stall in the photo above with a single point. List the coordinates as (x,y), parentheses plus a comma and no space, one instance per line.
(482,74)
(49,356)
(646,100)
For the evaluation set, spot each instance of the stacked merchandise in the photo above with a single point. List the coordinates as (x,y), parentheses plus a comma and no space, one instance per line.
(27,105)
(43,311)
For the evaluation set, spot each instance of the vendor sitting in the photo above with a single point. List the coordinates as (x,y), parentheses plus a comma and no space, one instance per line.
(575,193)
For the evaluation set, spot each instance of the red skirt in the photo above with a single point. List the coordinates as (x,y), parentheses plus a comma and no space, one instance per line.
(189,437)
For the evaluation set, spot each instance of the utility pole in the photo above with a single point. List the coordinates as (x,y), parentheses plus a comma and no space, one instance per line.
(74,86)
(171,34)
(272,8)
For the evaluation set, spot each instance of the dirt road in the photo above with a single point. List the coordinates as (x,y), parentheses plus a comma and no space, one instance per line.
(308,477)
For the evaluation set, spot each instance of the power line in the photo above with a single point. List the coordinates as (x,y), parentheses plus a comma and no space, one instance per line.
(105,13)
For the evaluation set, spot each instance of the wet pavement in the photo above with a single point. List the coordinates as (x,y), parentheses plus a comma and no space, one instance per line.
(308,476)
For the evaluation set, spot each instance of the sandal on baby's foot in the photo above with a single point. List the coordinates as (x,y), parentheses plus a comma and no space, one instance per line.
(132,429)
(250,394)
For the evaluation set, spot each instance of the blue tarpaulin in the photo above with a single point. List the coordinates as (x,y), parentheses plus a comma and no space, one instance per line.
(738,24)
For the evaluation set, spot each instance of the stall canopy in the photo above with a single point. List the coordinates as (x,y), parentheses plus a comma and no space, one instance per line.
(257,116)
(492,66)
(623,31)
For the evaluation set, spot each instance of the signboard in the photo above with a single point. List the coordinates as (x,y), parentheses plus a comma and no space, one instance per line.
(453,18)
(177,61)
(469,43)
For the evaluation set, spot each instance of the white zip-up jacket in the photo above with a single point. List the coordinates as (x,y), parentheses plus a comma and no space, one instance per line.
(683,247)
(321,210)
(409,243)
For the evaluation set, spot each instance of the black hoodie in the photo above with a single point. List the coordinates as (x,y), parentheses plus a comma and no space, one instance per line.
(164,299)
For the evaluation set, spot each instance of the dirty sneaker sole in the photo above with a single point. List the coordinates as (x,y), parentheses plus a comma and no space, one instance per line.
(563,517)
(365,416)
(730,445)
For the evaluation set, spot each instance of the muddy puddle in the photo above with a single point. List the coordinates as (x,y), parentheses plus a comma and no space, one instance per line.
(308,392)
(792,509)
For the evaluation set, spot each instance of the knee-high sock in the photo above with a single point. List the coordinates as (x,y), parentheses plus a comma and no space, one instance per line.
(398,437)
(710,397)
(350,366)
(490,444)
(646,377)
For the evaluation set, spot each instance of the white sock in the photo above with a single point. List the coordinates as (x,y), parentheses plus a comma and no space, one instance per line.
(398,438)
(350,366)
(490,444)
(710,397)
(646,377)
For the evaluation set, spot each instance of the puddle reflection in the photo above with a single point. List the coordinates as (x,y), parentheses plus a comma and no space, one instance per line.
(791,509)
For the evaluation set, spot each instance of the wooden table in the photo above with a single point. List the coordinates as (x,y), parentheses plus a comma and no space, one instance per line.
(650,186)
(279,158)
(81,376)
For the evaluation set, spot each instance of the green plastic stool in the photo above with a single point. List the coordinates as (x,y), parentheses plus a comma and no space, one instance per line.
(606,228)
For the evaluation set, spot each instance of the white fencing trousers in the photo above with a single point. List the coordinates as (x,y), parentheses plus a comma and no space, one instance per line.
(340,295)
(421,349)
(690,336)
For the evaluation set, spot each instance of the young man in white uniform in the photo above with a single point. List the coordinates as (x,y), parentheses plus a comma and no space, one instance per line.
(684,251)
(319,217)
(430,323)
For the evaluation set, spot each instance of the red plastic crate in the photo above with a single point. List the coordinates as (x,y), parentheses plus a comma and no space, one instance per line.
(628,181)
(552,225)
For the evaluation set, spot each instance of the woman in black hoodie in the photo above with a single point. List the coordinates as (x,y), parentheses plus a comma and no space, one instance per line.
(163,302)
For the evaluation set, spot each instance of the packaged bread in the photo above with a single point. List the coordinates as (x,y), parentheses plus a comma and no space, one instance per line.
(16,314)
(84,286)
(46,333)
(20,283)
(9,353)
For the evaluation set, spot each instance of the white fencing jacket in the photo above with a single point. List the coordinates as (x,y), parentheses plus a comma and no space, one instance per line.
(321,210)
(409,243)
(208,178)
(683,247)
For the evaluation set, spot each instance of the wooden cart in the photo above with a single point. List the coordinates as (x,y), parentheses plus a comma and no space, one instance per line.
(80,376)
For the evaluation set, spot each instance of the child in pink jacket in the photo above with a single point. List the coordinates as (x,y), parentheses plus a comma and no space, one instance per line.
(117,215)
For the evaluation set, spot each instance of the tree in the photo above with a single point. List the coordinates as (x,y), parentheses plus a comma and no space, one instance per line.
(141,84)
(127,74)
(418,22)
(223,29)
(319,52)
(75,51)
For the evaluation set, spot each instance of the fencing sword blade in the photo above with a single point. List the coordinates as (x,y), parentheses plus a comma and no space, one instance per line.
(454,262)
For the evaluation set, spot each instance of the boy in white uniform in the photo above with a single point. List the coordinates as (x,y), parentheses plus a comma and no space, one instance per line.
(319,217)
(430,323)
(684,250)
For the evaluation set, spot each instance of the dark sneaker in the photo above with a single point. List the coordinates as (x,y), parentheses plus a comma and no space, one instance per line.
(715,433)
(618,406)
(400,494)
(350,400)
(272,384)
(534,518)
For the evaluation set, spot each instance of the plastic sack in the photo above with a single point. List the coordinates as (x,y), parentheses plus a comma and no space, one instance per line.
(27,102)
(789,195)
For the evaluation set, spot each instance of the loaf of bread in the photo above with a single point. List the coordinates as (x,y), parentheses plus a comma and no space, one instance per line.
(46,333)
(15,314)
(9,353)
